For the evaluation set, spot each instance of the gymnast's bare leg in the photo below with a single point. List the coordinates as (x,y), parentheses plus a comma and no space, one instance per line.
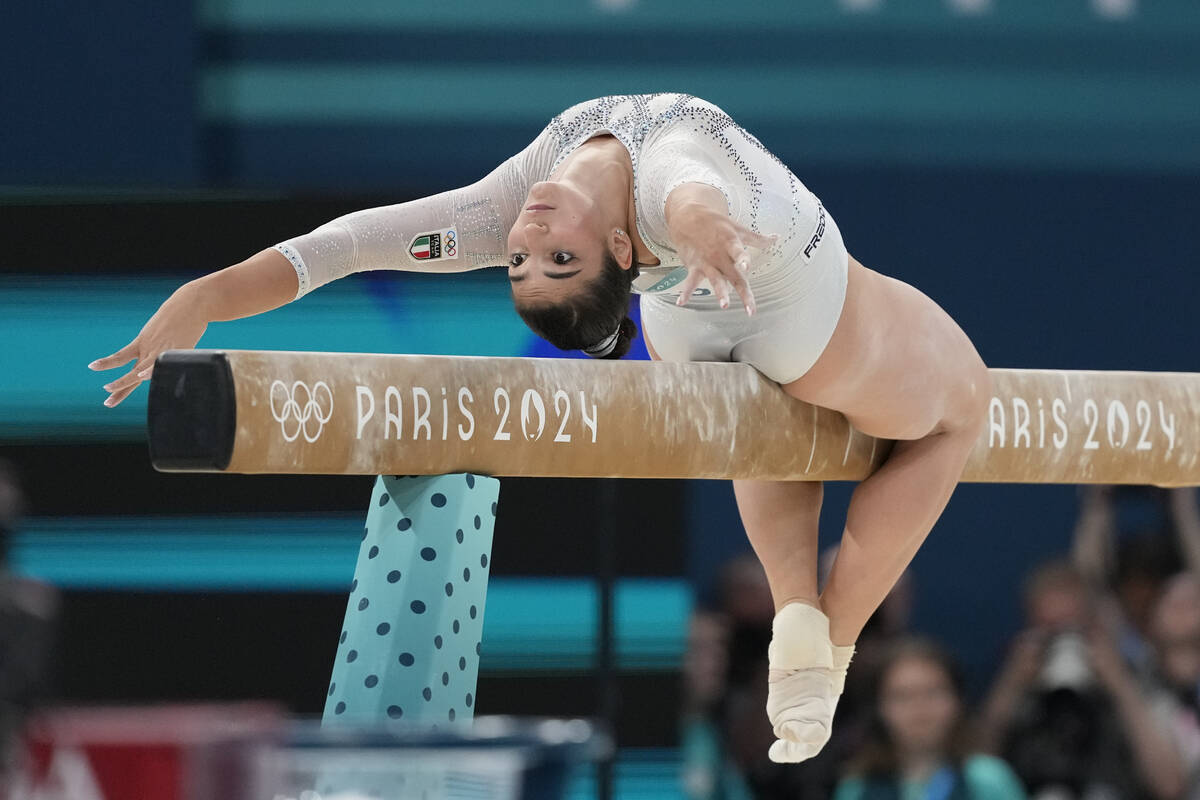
(899,368)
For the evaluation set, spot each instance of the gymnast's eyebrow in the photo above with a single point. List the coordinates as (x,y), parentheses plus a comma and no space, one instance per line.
(554,275)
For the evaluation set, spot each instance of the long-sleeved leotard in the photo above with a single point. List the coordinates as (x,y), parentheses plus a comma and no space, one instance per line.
(671,139)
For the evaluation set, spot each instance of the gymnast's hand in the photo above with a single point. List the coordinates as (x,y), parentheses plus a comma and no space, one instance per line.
(710,243)
(178,324)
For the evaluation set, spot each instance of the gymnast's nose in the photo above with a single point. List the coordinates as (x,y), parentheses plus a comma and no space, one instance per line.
(536,230)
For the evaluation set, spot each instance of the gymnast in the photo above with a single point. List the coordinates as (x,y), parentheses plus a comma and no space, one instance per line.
(665,196)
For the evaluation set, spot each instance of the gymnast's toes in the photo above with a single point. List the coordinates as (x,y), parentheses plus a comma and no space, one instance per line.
(800,704)
(784,751)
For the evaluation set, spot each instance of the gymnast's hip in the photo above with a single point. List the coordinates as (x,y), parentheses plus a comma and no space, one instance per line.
(800,298)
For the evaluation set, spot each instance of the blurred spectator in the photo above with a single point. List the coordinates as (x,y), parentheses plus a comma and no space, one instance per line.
(1184,508)
(708,773)
(706,663)
(746,602)
(28,611)
(1175,634)
(1065,709)
(726,656)
(749,609)
(917,744)
(1131,563)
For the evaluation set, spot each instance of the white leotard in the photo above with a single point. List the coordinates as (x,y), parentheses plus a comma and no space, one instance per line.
(671,139)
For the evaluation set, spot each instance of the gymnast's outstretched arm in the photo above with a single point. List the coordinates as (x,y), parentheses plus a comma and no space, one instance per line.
(454,231)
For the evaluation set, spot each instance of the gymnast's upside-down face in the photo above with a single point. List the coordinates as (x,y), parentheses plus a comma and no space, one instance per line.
(557,244)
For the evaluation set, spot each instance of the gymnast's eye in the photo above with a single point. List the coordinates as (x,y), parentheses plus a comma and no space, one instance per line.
(561,258)
(517,259)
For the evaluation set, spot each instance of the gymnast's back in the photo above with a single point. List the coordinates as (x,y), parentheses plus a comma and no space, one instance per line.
(671,139)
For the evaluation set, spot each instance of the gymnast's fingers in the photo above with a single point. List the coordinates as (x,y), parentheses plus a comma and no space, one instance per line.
(717,280)
(736,273)
(118,358)
(690,283)
(118,396)
(129,379)
(742,287)
(737,252)
(760,240)
(720,286)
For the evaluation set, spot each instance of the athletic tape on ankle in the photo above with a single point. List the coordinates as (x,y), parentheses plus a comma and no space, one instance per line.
(800,638)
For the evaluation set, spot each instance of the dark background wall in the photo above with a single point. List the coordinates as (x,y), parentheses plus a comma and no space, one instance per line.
(100,94)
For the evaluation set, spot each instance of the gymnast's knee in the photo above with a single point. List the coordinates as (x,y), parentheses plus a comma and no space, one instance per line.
(968,408)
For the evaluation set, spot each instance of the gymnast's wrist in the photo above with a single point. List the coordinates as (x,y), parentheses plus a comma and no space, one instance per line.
(198,297)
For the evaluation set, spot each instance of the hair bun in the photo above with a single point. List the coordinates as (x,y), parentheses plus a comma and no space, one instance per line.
(625,336)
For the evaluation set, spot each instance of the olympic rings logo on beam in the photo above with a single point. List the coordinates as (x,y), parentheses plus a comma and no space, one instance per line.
(296,407)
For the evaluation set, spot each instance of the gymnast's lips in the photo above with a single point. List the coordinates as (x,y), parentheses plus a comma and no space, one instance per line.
(539,207)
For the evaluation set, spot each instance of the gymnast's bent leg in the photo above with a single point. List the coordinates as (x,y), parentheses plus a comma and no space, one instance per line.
(908,372)
(899,368)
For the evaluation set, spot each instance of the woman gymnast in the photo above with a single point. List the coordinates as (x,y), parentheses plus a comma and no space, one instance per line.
(665,196)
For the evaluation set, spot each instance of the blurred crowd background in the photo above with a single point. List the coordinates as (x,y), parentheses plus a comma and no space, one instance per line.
(1033,167)
(1096,695)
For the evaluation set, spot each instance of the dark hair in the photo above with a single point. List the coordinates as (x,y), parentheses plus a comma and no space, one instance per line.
(591,316)
(878,758)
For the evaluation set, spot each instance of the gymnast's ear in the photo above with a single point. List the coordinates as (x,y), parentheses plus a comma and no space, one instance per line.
(621,247)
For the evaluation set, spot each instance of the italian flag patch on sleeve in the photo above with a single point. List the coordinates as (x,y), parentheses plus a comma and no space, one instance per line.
(435,245)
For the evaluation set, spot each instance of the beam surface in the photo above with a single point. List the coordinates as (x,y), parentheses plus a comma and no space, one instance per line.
(349,413)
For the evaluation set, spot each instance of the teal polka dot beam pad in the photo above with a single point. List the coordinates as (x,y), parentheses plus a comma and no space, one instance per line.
(409,647)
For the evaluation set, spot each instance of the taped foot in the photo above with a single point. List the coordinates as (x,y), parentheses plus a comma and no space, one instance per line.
(807,675)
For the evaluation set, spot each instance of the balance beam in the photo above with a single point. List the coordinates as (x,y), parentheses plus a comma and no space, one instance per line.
(249,411)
